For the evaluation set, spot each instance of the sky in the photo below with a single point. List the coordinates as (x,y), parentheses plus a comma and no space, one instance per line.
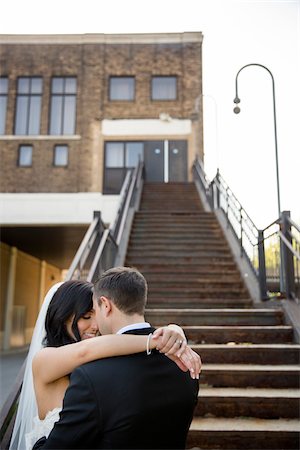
(236,33)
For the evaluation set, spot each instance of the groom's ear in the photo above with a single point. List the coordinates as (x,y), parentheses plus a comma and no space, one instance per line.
(106,305)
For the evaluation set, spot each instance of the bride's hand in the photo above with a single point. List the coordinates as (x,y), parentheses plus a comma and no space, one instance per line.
(169,340)
(172,342)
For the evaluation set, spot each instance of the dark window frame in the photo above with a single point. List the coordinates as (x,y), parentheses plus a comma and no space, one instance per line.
(122,77)
(5,96)
(123,168)
(64,95)
(29,95)
(163,99)
(24,166)
(54,150)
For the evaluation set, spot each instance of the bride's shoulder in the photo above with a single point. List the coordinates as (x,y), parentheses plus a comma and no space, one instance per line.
(43,356)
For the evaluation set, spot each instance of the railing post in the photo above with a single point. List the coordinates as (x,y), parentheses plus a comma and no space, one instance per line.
(97,214)
(218,188)
(262,266)
(241,230)
(211,196)
(287,259)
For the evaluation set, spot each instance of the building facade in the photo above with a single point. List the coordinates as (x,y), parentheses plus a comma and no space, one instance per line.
(76,112)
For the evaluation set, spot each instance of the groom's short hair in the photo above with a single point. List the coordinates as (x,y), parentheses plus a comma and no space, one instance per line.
(126,287)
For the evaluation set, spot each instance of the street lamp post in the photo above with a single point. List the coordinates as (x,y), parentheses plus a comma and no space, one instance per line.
(237,111)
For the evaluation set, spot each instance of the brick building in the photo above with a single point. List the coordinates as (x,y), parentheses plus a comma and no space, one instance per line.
(76,111)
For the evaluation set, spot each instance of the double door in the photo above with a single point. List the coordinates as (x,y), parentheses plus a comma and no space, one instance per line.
(165,161)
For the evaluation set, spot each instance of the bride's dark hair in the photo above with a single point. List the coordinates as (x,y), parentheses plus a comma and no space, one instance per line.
(72,298)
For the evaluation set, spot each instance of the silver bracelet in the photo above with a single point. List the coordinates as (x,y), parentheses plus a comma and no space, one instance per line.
(148,350)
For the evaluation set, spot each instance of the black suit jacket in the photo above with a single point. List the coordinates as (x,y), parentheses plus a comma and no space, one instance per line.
(126,402)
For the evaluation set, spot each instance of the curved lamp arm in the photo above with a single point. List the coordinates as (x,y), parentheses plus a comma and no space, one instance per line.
(237,111)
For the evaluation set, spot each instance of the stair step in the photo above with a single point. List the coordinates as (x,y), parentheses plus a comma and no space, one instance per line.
(201,316)
(217,277)
(170,253)
(248,402)
(217,302)
(248,353)
(243,433)
(247,375)
(135,260)
(171,272)
(195,291)
(253,334)
(194,285)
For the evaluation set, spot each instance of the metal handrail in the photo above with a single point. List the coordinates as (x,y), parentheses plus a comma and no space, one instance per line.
(289,245)
(85,247)
(220,196)
(128,199)
(294,224)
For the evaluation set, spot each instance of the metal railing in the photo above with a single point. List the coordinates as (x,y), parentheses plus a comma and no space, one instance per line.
(273,253)
(99,247)
(95,254)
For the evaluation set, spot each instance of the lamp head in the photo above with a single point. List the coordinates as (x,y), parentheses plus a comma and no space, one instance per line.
(236,100)
(236,109)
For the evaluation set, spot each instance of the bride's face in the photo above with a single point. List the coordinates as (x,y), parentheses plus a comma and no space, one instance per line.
(87,326)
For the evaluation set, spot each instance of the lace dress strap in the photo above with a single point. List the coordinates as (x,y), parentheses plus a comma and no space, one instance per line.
(42,427)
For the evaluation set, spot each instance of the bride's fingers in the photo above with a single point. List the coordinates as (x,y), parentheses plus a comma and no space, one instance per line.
(192,361)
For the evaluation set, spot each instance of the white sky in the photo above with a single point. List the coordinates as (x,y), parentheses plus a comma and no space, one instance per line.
(236,33)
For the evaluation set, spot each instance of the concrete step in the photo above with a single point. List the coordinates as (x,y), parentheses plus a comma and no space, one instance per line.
(253,334)
(194,279)
(176,215)
(177,232)
(178,249)
(139,259)
(171,272)
(185,253)
(180,218)
(247,375)
(183,302)
(205,291)
(243,433)
(248,353)
(201,316)
(248,402)
(143,241)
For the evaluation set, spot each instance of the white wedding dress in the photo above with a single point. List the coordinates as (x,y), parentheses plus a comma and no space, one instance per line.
(28,427)
(42,427)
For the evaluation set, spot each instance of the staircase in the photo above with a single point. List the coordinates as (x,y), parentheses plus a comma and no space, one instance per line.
(249,385)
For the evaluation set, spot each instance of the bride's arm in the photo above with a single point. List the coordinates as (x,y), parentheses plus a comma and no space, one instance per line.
(52,363)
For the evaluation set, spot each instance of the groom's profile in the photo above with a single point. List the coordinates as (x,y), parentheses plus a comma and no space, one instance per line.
(140,401)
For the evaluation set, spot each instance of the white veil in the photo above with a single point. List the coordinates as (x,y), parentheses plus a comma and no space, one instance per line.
(27,408)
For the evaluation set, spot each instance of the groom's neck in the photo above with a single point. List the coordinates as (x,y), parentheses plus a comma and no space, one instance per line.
(124,321)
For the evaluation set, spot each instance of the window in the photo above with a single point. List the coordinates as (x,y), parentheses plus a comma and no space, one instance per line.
(3,102)
(120,156)
(164,88)
(25,156)
(114,154)
(121,88)
(28,108)
(63,106)
(61,155)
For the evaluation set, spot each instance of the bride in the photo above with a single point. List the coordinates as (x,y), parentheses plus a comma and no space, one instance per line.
(65,337)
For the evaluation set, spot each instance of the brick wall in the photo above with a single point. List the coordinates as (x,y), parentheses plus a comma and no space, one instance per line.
(92,64)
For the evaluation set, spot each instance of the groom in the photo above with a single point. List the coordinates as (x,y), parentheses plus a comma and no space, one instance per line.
(140,401)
